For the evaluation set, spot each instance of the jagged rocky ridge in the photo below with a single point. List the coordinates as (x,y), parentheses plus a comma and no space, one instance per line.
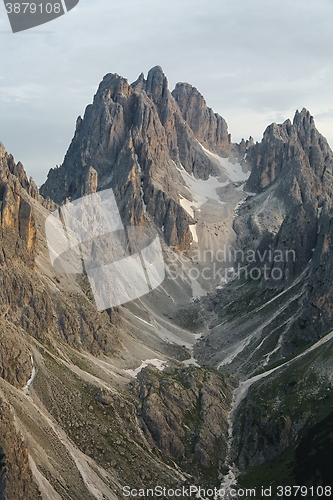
(283,428)
(287,227)
(293,165)
(133,138)
(18,230)
(79,407)
(264,324)
(184,413)
(30,310)
(23,297)
(16,479)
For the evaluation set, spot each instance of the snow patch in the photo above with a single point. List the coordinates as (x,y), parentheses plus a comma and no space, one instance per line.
(191,361)
(158,363)
(197,290)
(143,321)
(33,374)
(320,209)
(241,202)
(138,164)
(142,200)
(187,205)
(193,229)
(233,171)
(200,190)
(241,187)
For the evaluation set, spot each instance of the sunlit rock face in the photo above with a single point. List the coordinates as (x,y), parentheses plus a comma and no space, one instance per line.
(136,138)
(17,220)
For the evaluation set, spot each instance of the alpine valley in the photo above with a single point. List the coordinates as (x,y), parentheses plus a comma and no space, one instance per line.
(222,376)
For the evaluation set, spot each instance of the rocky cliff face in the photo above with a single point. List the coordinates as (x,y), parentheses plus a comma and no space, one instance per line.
(18,232)
(291,170)
(284,235)
(18,250)
(283,148)
(184,413)
(293,165)
(32,309)
(79,405)
(141,141)
(285,421)
(16,480)
(136,137)
(24,300)
(209,128)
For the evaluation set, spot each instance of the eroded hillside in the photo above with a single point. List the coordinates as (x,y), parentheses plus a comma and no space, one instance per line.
(179,386)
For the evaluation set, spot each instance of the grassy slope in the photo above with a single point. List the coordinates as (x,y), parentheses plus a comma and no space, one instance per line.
(303,388)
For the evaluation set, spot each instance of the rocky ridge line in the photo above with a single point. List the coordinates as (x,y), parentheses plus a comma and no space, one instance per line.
(136,138)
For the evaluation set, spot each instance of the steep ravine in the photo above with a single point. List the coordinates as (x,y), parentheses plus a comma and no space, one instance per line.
(239,407)
(89,424)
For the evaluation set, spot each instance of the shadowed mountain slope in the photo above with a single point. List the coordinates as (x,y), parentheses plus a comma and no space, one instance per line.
(142,394)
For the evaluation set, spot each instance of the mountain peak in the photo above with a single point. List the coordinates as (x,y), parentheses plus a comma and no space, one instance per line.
(157,84)
(183,88)
(139,81)
(210,128)
(156,70)
(282,144)
(303,117)
(2,150)
(112,86)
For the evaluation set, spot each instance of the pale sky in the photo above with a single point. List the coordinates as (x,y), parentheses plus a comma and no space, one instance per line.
(254,61)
